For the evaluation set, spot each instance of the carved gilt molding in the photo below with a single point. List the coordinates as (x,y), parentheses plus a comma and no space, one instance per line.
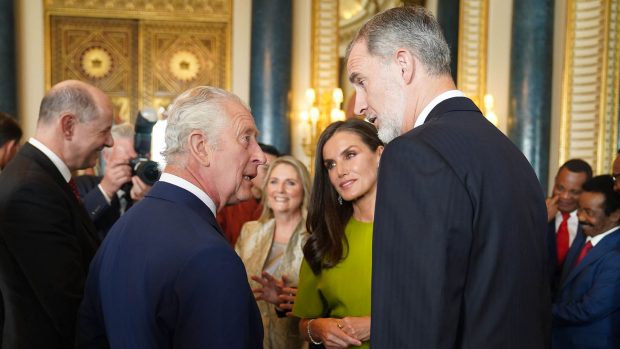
(178,56)
(193,10)
(100,51)
(472,57)
(589,124)
(140,52)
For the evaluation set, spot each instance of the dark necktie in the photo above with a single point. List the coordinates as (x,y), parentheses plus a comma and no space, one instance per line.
(74,189)
(584,251)
(562,238)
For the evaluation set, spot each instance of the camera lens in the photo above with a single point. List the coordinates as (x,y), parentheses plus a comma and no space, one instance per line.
(146,170)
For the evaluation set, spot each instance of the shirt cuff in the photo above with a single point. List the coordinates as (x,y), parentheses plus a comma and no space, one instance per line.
(104,194)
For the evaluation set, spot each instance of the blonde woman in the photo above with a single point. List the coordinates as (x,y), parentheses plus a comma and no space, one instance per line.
(271,248)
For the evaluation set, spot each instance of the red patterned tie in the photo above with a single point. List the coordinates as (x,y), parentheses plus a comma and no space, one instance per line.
(74,189)
(562,238)
(584,251)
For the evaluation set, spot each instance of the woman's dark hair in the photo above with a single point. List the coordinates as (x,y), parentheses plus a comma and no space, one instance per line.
(326,217)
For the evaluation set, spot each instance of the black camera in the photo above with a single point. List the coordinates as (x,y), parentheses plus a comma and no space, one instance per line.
(147,170)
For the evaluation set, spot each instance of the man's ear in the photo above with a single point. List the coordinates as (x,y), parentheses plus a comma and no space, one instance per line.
(615,216)
(11,145)
(67,124)
(199,148)
(407,64)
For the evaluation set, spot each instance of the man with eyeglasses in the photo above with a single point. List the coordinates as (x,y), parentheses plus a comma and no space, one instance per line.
(562,213)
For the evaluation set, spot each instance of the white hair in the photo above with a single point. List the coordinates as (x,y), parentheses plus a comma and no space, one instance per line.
(200,108)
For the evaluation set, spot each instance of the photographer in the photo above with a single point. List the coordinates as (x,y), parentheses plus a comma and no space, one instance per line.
(107,198)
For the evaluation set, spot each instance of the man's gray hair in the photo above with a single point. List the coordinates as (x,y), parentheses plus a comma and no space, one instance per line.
(200,108)
(410,27)
(71,98)
(124,130)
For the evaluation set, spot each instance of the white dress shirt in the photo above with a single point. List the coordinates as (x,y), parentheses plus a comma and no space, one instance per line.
(180,182)
(442,97)
(60,165)
(596,239)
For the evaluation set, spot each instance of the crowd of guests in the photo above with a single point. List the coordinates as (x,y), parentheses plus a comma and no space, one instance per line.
(238,246)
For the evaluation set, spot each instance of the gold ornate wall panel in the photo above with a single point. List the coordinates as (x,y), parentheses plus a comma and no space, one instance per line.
(141,53)
(193,10)
(324,48)
(591,83)
(180,55)
(100,51)
(472,57)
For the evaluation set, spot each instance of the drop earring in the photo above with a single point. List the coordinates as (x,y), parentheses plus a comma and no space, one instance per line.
(340,200)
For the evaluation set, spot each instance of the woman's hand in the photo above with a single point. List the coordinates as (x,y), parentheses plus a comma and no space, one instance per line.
(287,299)
(270,288)
(329,331)
(356,327)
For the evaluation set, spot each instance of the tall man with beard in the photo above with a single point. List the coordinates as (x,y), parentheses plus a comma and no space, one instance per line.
(459,255)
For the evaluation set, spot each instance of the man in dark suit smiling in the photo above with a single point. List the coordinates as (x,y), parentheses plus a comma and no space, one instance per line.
(459,255)
(47,239)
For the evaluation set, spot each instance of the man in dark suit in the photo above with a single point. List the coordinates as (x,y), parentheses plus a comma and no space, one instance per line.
(107,197)
(10,135)
(459,257)
(562,207)
(46,237)
(165,276)
(586,311)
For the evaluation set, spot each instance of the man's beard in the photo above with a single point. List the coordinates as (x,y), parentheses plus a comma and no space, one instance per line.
(390,127)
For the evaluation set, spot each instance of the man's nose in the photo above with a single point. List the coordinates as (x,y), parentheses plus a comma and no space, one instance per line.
(361,104)
(257,157)
(109,141)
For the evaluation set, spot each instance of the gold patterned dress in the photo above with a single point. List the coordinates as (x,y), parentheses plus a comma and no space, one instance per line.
(254,246)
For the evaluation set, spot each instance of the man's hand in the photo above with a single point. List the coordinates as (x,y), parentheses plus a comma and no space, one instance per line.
(552,207)
(116,174)
(139,189)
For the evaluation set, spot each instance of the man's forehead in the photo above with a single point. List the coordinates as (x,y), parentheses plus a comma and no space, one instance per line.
(243,122)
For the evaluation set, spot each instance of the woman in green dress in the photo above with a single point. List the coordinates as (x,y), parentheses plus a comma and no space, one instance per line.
(333,297)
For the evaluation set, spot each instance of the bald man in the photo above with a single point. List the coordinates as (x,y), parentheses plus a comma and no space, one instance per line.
(47,239)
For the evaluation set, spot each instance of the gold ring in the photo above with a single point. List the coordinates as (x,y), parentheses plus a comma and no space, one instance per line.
(339,324)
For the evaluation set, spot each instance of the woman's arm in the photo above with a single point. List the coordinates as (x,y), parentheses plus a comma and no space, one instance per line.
(328,331)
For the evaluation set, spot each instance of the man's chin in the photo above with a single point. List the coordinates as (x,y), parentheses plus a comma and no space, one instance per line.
(239,196)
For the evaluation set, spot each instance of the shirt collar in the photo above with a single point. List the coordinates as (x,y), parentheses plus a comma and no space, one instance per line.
(182,183)
(558,215)
(442,97)
(596,239)
(60,165)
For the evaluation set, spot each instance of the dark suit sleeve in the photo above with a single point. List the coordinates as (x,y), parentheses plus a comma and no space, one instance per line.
(216,309)
(92,197)
(600,300)
(41,235)
(421,243)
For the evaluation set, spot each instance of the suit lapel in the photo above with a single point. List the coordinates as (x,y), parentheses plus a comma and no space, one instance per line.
(573,253)
(604,246)
(265,240)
